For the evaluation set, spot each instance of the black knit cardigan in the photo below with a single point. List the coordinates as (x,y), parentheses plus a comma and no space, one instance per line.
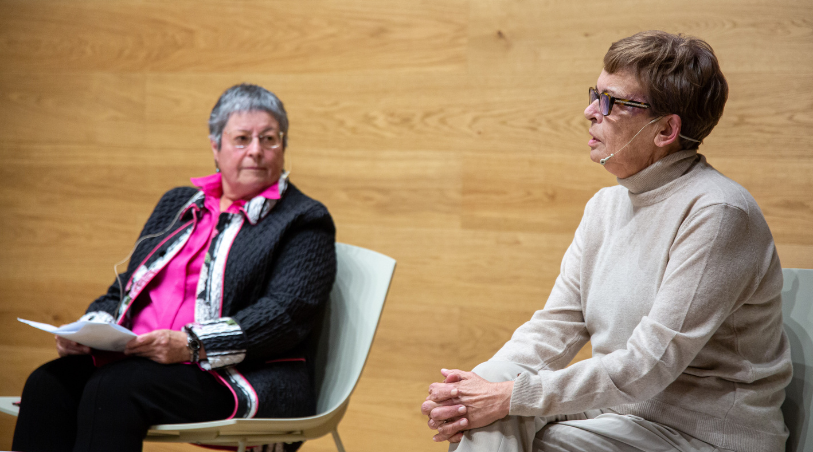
(278,276)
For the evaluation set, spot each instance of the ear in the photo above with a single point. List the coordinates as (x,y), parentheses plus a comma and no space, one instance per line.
(669,132)
(215,150)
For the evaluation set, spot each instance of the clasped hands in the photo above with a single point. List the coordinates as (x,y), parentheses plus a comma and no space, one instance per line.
(161,346)
(464,401)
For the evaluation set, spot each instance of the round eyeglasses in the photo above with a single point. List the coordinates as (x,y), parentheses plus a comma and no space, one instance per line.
(606,101)
(243,138)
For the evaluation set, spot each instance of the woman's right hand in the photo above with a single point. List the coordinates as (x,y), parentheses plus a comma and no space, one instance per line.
(67,347)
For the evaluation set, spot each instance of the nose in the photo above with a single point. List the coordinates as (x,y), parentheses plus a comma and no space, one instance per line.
(254,148)
(592,112)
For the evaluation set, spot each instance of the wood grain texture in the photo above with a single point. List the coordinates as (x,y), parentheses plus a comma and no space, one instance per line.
(448,134)
(213,36)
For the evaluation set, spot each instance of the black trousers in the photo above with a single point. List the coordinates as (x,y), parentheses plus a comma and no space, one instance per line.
(68,404)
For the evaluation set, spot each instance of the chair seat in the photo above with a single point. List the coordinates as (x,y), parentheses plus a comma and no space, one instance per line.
(7,405)
(256,431)
(344,340)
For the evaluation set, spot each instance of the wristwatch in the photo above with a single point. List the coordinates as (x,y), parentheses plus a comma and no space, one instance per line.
(193,344)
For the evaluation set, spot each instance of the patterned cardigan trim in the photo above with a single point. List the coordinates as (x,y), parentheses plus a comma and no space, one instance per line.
(222,337)
(98,316)
(212,331)
(159,256)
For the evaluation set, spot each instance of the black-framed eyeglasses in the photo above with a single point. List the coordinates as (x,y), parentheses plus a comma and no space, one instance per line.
(606,101)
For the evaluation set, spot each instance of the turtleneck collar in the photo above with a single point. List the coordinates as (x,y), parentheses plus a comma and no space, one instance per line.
(660,173)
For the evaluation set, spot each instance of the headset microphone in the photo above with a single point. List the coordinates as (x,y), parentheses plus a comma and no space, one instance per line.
(604,160)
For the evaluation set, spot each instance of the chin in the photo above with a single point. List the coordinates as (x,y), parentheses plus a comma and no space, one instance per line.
(596,154)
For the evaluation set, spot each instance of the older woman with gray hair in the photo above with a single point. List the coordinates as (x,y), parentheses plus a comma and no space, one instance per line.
(223,290)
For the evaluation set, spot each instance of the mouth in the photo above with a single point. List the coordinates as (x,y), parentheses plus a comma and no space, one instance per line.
(593,140)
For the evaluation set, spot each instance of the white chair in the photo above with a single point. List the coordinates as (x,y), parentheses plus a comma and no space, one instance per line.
(797,311)
(351,319)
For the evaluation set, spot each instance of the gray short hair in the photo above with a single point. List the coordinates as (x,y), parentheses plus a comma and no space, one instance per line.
(244,98)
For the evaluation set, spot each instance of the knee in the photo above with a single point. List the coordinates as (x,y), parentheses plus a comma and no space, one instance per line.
(498,371)
(62,376)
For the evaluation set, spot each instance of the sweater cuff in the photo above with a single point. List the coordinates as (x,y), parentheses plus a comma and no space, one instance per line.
(222,339)
(526,396)
(98,317)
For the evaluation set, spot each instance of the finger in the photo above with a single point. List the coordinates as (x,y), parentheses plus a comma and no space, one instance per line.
(65,342)
(442,391)
(456,438)
(444,413)
(60,349)
(434,425)
(456,375)
(79,349)
(429,405)
(140,343)
(448,430)
(69,347)
(451,376)
(145,350)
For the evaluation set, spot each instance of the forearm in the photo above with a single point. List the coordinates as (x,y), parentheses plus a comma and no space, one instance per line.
(297,287)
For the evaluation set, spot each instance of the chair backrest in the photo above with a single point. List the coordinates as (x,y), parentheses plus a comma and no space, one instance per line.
(797,311)
(350,321)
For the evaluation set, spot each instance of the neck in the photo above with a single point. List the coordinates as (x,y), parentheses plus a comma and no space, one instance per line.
(225,203)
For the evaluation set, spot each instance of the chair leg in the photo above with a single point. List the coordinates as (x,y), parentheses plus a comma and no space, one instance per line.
(241,445)
(337,440)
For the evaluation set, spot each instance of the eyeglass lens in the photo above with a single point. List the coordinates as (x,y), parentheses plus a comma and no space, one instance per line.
(243,139)
(603,101)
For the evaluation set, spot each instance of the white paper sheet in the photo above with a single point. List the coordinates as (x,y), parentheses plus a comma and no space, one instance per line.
(101,336)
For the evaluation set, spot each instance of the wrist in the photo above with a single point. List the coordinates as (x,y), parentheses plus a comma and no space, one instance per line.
(508,389)
(193,345)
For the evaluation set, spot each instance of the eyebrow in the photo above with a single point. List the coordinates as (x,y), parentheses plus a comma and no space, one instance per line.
(271,128)
(615,94)
(608,91)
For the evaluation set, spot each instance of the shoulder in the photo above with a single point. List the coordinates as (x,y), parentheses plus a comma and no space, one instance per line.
(176,197)
(168,207)
(296,204)
(710,187)
(713,197)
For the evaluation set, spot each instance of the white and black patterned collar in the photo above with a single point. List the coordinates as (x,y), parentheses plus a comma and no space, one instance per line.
(259,206)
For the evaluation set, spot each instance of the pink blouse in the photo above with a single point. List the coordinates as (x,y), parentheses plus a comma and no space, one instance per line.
(168,302)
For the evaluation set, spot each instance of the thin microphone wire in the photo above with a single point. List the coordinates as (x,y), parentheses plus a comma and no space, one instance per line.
(138,242)
(604,160)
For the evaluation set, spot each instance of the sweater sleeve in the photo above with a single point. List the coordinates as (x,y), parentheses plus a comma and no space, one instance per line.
(556,333)
(300,283)
(713,264)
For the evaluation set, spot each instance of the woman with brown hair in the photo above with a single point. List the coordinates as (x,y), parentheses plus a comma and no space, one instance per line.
(672,276)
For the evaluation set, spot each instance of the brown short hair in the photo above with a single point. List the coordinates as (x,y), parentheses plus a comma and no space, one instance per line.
(681,76)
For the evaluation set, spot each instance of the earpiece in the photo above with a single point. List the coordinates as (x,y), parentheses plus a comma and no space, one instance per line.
(604,160)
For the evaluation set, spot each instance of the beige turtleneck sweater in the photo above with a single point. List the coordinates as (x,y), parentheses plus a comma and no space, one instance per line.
(674,277)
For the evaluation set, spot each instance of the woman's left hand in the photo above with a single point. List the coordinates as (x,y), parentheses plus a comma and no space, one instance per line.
(161,346)
(475,403)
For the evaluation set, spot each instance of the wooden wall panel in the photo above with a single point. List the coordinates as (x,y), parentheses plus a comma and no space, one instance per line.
(448,134)
(216,36)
